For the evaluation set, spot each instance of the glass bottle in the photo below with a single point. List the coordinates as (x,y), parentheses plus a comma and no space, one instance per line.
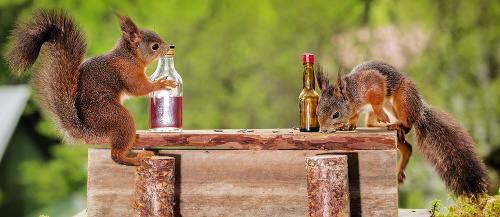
(165,106)
(308,98)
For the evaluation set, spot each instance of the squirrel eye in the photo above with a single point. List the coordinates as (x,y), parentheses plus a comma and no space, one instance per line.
(335,115)
(155,47)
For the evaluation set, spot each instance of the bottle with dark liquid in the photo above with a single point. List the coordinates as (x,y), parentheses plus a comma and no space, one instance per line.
(165,107)
(308,98)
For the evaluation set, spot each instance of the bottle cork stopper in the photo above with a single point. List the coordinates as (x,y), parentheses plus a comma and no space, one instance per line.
(308,58)
(171,52)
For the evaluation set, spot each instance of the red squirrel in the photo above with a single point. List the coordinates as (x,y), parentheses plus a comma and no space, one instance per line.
(83,97)
(392,99)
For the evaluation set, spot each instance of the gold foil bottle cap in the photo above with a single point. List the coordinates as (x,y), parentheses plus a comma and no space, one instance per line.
(170,52)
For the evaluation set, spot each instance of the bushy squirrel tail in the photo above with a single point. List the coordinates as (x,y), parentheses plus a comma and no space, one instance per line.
(446,145)
(56,74)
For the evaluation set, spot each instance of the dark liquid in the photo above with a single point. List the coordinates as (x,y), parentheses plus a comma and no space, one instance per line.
(311,129)
(165,112)
(307,110)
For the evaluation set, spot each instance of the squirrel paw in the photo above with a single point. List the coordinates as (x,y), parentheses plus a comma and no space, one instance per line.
(401,177)
(383,118)
(167,84)
(345,127)
(141,156)
(399,128)
(393,127)
(144,154)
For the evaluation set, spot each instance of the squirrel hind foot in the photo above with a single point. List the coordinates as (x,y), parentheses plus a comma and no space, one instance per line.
(120,158)
(401,177)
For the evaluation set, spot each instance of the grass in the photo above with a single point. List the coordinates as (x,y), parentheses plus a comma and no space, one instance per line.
(481,206)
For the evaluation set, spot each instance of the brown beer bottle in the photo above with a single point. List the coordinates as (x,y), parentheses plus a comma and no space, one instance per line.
(308,99)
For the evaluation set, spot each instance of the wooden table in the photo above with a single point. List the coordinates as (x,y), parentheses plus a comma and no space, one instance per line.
(251,172)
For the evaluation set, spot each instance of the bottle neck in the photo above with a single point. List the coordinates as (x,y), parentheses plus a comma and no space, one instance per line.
(170,63)
(308,76)
(165,68)
(166,62)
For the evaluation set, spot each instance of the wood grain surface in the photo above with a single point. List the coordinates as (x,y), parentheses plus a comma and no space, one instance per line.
(268,139)
(245,183)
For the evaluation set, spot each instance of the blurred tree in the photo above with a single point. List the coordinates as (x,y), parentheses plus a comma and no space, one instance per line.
(241,65)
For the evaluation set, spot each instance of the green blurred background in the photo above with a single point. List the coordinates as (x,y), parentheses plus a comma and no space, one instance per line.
(241,62)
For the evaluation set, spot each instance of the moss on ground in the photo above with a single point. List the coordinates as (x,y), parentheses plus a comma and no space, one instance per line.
(481,206)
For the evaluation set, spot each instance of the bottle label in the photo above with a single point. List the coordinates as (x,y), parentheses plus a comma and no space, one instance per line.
(308,120)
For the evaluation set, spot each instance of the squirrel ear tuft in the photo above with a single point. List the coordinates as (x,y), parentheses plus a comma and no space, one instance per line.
(339,84)
(322,79)
(129,29)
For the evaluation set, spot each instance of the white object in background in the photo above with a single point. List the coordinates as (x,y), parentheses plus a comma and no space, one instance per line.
(13,99)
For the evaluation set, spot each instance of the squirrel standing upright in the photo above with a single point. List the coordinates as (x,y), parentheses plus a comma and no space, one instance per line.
(84,97)
(392,99)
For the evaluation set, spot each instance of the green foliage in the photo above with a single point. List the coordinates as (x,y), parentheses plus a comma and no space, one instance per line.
(1,196)
(241,66)
(435,206)
(46,182)
(482,206)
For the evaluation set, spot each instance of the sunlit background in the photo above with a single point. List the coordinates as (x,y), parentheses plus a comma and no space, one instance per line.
(241,62)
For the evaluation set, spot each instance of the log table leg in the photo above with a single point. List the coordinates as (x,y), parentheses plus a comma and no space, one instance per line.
(328,185)
(154,187)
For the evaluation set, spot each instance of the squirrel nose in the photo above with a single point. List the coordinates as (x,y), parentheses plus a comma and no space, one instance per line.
(323,130)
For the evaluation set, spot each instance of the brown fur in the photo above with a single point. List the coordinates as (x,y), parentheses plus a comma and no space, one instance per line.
(443,142)
(84,97)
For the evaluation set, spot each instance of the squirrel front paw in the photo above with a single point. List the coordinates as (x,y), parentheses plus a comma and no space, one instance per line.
(345,127)
(166,84)
(383,118)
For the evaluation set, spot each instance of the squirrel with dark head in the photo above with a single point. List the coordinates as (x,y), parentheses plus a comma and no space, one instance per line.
(391,99)
(84,97)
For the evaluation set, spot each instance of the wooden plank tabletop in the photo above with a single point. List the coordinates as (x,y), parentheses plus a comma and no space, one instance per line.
(268,139)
